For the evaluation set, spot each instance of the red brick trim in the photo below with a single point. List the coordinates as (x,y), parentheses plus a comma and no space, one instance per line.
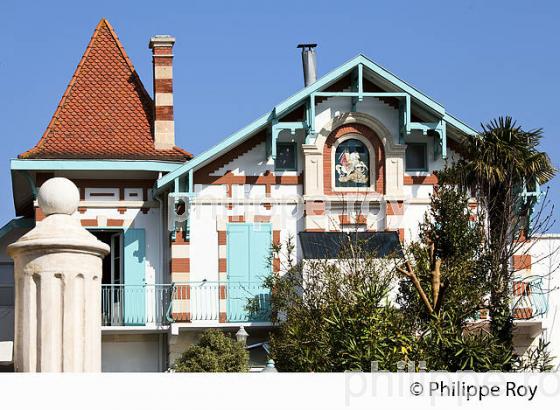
(82,209)
(204,172)
(183,292)
(361,219)
(276,237)
(88,222)
(115,222)
(314,208)
(164,112)
(276,265)
(223,292)
(521,288)
(394,208)
(315,230)
(121,210)
(521,262)
(268,179)
(261,218)
(180,265)
(180,238)
(344,219)
(378,155)
(420,180)
(236,218)
(523,313)
(222,237)
(163,85)
(222,265)
(223,317)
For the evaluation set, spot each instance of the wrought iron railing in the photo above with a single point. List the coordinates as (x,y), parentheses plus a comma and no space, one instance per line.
(215,301)
(529,298)
(135,305)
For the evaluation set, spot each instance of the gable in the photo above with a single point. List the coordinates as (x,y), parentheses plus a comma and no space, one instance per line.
(357,79)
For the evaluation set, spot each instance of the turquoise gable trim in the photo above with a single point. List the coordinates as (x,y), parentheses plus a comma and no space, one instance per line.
(16,223)
(91,165)
(284,107)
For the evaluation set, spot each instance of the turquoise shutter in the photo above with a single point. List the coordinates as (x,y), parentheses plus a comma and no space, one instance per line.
(261,241)
(248,247)
(134,277)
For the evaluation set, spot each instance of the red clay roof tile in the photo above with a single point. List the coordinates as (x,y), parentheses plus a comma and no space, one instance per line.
(105,113)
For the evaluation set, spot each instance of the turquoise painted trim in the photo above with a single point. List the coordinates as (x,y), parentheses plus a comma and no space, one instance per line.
(15,224)
(91,165)
(298,98)
(134,254)
(459,125)
(280,126)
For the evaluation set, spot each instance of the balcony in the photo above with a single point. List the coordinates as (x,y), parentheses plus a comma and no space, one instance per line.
(135,305)
(529,298)
(237,302)
(191,302)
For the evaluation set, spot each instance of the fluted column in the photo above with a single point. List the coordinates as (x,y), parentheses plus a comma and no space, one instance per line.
(58,269)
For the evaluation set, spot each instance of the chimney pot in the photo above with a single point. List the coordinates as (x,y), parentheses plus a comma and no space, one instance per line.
(309,59)
(162,60)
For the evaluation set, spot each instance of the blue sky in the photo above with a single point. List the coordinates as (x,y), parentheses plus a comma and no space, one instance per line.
(234,60)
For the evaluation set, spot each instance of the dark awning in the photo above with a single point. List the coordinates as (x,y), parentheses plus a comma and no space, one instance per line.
(327,245)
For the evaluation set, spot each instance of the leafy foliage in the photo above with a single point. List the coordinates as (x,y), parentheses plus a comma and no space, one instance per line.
(215,352)
(495,167)
(336,316)
(536,359)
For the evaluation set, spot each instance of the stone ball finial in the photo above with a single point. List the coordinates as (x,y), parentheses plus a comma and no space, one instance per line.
(58,196)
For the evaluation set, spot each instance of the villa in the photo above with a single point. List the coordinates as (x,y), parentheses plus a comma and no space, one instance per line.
(190,236)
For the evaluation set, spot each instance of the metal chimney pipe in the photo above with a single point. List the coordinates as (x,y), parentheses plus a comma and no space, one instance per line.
(309,59)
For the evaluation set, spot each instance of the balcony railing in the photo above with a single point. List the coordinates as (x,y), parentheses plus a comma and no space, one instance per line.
(215,301)
(529,298)
(135,305)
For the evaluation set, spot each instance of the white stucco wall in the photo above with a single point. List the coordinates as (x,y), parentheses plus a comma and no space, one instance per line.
(150,222)
(545,256)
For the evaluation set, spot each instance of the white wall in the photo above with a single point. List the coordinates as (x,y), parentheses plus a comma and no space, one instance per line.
(133,353)
(150,222)
(545,255)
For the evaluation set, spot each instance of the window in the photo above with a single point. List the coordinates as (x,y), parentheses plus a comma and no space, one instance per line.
(286,156)
(416,157)
(351,164)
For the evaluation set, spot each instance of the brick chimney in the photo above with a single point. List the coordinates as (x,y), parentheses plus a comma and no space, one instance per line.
(162,60)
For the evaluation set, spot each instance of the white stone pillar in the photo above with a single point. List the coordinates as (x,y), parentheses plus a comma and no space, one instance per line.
(57,269)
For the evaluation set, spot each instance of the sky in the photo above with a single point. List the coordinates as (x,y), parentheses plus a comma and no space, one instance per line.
(234,60)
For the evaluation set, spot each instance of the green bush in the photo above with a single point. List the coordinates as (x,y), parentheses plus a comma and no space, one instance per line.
(215,352)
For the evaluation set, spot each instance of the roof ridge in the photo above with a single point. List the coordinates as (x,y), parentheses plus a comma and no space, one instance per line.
(124,55)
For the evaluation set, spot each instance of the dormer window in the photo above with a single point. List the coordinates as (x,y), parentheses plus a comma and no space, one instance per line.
(352,166)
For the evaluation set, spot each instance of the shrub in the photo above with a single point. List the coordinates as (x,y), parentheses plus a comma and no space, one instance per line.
(215,352)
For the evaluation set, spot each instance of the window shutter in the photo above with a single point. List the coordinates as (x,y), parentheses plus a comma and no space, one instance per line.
(134,277)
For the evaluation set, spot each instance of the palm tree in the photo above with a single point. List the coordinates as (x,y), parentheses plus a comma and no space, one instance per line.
(496,167)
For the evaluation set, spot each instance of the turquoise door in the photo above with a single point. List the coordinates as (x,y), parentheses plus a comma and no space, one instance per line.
(248,250)
(134,277)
